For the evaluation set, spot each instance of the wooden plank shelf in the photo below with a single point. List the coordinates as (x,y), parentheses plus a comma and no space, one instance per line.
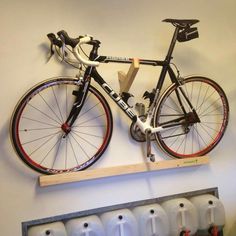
(47,180)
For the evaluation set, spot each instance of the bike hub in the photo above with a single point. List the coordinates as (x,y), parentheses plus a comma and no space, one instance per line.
(66,128)
(192,118)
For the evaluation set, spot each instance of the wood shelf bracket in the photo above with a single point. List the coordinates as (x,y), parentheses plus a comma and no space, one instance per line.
(47,180)
(126,80)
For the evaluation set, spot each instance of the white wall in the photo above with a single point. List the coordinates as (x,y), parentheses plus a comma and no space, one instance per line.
(126,28)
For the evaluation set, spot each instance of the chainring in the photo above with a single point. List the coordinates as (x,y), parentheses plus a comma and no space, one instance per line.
(135,131)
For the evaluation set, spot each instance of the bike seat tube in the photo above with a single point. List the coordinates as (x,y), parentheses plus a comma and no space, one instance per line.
(168,58)
(172,45)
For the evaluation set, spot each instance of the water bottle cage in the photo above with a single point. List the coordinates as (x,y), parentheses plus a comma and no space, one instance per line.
(150,96)
(126,96)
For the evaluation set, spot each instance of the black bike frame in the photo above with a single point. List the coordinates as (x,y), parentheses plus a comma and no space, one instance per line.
(91,72)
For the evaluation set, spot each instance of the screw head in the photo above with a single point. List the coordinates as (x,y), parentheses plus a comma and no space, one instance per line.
(152,211)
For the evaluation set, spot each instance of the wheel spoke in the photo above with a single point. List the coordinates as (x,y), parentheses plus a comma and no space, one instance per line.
(81,147)
(39,121)
(58,107)
(73,150)
(50,108)
(86,121)
(85,140)
(46,115)
(49,151)
(40,138)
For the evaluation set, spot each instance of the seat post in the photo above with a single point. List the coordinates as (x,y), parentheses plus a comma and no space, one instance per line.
(172,45)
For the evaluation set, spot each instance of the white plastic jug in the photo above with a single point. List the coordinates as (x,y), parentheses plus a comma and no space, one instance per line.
(152,220)
(120,223)
(85,226)
(210,212)
(51,229)
(182,216)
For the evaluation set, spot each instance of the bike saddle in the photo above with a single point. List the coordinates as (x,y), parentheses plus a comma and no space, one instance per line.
(182,22)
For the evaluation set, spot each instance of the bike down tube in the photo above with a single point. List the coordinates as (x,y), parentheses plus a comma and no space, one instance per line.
(144,126)
(115,97)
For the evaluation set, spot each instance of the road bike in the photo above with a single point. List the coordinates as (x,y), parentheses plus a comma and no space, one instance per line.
(65,124)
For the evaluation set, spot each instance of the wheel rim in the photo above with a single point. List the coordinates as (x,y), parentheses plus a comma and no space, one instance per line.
(38,135)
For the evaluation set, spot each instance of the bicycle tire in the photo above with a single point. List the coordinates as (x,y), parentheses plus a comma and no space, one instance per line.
(36,127)
(198,139)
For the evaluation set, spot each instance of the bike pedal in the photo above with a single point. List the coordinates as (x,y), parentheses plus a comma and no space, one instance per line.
(151,157)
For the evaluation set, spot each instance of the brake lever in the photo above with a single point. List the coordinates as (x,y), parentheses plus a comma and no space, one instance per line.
(57,43)
(63,47)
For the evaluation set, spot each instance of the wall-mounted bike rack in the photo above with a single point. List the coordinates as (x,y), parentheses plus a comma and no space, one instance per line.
(47,180)
(126,80)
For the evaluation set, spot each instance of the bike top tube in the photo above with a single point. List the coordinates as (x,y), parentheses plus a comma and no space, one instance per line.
(107,59)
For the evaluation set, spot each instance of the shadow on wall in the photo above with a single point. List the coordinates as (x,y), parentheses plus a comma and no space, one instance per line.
(47,57)
(190,59)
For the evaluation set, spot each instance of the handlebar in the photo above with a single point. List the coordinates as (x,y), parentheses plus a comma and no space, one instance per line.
(75,44)
(84,40)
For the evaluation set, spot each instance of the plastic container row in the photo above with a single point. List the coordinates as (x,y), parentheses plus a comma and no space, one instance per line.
(199,215)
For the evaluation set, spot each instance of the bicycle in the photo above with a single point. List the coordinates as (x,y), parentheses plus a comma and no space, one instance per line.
(65,124)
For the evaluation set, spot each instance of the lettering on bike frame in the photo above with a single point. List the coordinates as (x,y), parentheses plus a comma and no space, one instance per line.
(119,100)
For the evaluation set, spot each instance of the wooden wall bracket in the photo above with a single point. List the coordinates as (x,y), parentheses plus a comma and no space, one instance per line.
(47,180)
(126,80)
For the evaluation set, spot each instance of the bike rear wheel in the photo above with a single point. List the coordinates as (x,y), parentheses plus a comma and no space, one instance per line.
(196,138)
(37,134)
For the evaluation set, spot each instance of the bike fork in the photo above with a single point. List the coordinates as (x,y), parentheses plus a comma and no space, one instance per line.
(80,94)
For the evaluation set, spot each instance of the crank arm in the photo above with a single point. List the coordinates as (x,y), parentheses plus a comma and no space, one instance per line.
(150,155)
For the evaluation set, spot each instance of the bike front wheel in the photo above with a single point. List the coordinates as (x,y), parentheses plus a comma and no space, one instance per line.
(192,138)
(37,134)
